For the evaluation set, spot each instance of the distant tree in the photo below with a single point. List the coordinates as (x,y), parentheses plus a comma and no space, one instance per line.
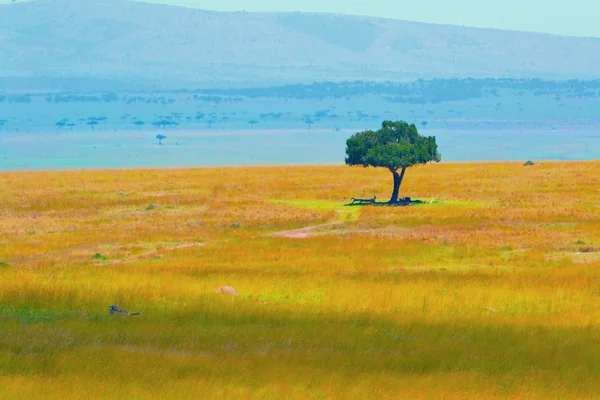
(177,115)
(252,123)
(424,123)
(321,114)
(361,115)
(109,97)
(164,123)
(92,123)
(309,122)
(71,126)
(396,146)
(60,124)
(139,123)
(210,123)
(160,139)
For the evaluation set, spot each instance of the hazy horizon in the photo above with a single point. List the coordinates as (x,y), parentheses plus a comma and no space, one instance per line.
(575,18)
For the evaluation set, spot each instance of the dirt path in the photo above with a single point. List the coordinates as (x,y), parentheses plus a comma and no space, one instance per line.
(156,252)
(304,233)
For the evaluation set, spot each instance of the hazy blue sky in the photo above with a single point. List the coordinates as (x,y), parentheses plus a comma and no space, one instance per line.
(566,17)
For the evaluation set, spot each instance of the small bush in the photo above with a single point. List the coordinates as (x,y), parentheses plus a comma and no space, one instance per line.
(528,163)
(99,256)
(4,264)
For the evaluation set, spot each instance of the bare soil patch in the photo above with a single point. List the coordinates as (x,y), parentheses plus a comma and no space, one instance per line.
(156,252)
(304,233)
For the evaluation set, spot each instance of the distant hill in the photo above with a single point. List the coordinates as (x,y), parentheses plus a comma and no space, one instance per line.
(149,45)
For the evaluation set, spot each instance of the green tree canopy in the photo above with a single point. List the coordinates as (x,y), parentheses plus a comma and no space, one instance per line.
(396,146)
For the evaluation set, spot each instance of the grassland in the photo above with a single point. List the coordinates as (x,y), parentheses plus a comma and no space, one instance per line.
(490,291)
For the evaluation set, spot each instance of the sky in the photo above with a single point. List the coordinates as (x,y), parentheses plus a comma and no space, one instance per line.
(563,17)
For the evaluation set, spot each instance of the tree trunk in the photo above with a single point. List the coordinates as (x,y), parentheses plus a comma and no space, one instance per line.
(398,177)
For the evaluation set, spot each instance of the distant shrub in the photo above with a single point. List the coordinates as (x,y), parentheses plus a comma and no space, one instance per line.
(109,97)
(4,264)
(528,163)
(99,256)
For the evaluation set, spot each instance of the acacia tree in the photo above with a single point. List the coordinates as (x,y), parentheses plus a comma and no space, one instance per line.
(92,123)
(396,146)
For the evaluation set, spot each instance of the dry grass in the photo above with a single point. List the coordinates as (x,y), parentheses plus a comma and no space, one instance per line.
(492,292)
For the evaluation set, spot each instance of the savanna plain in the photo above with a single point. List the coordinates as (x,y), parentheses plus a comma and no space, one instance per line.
(489,289)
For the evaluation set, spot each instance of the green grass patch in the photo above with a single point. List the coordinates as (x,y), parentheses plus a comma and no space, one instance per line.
(4,264)
(31,315)
(453,203)
(345,213)
(311,204)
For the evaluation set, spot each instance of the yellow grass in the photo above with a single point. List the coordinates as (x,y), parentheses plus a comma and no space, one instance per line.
(490,291)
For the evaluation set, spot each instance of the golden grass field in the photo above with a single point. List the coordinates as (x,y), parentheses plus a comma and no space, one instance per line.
(492,291)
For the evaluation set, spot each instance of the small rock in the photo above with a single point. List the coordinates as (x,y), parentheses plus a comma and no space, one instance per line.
(227,290)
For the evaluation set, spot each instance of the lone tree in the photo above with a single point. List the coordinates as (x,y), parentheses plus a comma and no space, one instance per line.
(92,123)
(396,146)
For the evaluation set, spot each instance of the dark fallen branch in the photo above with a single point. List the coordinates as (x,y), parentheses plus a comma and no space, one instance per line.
(403,201)
(356,200)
